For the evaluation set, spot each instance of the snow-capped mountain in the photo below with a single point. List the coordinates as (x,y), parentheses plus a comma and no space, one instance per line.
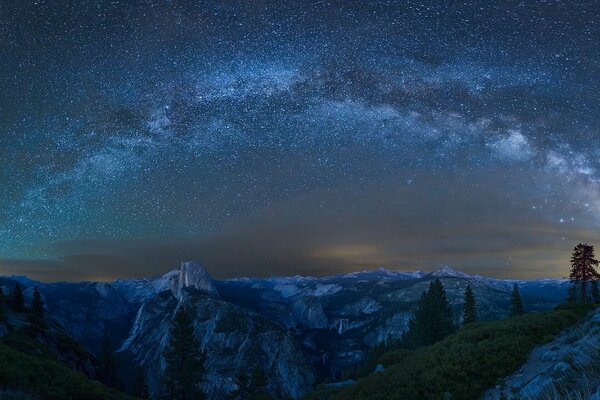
(297,327)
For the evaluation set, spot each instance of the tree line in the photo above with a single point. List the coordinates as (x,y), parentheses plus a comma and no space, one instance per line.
(15,301)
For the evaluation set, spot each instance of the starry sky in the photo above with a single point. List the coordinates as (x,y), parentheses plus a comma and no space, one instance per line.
(315,137)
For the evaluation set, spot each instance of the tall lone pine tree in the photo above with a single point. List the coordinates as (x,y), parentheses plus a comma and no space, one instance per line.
(433,318)
(516,304)
(185,362)
(469,307)
(583,272)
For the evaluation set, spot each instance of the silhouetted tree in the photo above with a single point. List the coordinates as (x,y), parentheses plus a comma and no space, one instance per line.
(469,307)
(38,313)
(185,362)
(516,304)
(17,301)
(108,362)
(433,318)
(583,272)
(140,386)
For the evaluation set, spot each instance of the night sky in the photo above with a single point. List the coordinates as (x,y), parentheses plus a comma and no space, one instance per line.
(312,137)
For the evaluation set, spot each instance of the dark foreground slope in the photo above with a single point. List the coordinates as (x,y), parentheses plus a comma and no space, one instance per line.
(43,378)
(45,363)
(464,365)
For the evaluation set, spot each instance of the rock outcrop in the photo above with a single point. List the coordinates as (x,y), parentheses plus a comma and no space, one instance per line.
(191,274)
(233,338)
(568,364)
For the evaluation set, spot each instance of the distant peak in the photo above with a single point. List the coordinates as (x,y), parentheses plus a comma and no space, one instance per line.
(191,274)
(450,272)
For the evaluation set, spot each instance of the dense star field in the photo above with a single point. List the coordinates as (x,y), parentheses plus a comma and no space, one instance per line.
(304,137)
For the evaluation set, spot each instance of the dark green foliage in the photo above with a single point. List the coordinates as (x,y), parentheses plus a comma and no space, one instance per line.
(185,362)
(140,386)
(322,393)
(17,301)
(469,307)
(466,363)
(38,313)
(368,365)
(583,263)
(15,395)
(66,344)
(595,292)
(22,341)
(516,304)
(433,319)
(108,362)
(45,379)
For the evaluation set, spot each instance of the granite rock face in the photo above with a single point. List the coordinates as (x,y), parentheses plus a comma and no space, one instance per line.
(567,364)
(233,338)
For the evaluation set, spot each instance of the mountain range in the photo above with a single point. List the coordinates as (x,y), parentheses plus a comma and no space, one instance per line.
(299,330)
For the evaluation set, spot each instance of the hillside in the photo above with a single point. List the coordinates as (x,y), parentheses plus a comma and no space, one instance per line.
(46,363)
(464,365)
(42,378)
(567,367)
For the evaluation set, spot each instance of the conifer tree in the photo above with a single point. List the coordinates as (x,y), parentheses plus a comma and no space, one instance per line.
(433,319)
(185,362)
(140,386)
(469,307)
(516,304)
(16,298)
(583,272)
(108,362)
(38,313)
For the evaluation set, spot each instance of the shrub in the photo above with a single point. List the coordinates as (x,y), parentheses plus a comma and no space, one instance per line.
(466,363)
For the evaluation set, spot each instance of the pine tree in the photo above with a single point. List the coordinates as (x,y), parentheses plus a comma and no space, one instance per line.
(108,362)
(595,292)
(583,272)
(469,307)
(516,304)
(433,319)
(16,298)
(185,362)
(38,313)
(140,386)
